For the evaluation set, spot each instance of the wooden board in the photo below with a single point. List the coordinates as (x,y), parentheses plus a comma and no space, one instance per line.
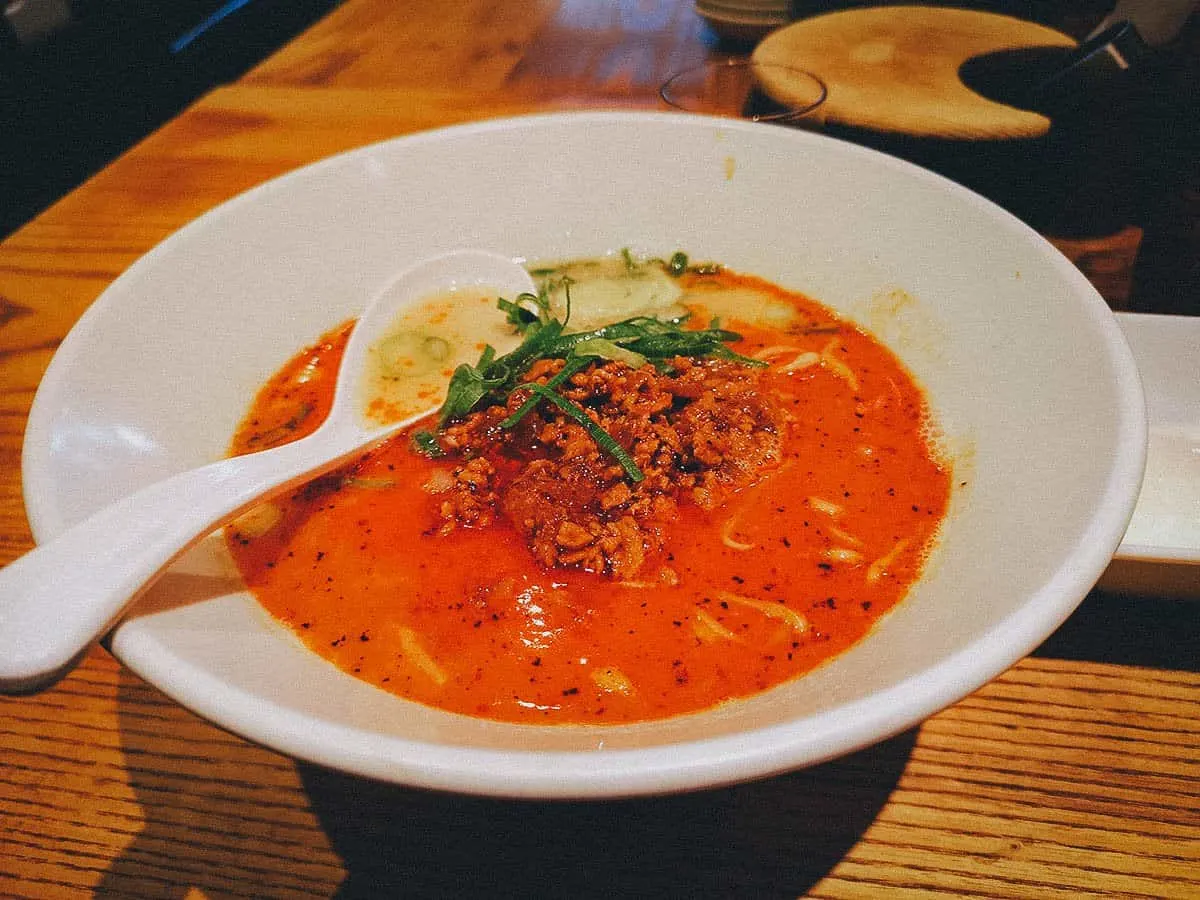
(896,68)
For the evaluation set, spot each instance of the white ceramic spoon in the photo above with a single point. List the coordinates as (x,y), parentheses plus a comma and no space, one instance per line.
(64,594)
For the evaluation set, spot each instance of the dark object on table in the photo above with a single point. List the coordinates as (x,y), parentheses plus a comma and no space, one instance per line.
(77,92)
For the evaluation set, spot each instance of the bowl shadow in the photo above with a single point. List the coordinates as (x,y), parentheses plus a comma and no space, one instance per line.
(775,837)
(236,819)
(1130,629)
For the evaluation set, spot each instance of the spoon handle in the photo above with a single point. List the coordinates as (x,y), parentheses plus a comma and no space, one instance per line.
(62,595)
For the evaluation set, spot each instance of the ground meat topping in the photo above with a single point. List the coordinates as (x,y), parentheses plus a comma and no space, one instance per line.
(698,432)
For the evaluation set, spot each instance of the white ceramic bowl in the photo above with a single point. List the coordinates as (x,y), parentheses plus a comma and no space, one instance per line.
(1031,379)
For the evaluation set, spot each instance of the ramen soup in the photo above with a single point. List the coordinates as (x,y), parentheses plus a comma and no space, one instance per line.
(698,487)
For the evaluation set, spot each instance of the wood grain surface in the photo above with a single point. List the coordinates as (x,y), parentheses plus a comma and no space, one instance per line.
(1075,774)
(897,68)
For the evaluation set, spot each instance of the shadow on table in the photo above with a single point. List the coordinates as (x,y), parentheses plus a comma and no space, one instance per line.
(222,818)
(216,817)
(771,838)
(1130,630)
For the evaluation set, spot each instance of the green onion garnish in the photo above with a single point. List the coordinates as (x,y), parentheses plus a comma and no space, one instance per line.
(635,341)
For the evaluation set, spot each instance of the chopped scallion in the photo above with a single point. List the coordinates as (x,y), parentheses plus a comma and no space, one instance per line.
(635,342)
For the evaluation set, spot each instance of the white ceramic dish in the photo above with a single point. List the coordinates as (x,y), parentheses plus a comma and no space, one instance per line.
(1031,379)
(1166,522)
(1160,552)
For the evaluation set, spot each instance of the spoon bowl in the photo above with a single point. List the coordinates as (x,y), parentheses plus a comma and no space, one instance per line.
(60,597)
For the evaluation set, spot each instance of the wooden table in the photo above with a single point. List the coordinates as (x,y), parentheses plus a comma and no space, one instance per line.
(1075,774)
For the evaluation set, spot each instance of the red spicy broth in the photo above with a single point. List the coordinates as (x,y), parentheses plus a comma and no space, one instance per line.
(791,568)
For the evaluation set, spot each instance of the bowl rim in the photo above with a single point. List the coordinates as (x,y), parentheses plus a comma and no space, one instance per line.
(690,765)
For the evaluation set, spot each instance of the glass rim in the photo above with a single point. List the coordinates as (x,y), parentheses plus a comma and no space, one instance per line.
(790,111)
